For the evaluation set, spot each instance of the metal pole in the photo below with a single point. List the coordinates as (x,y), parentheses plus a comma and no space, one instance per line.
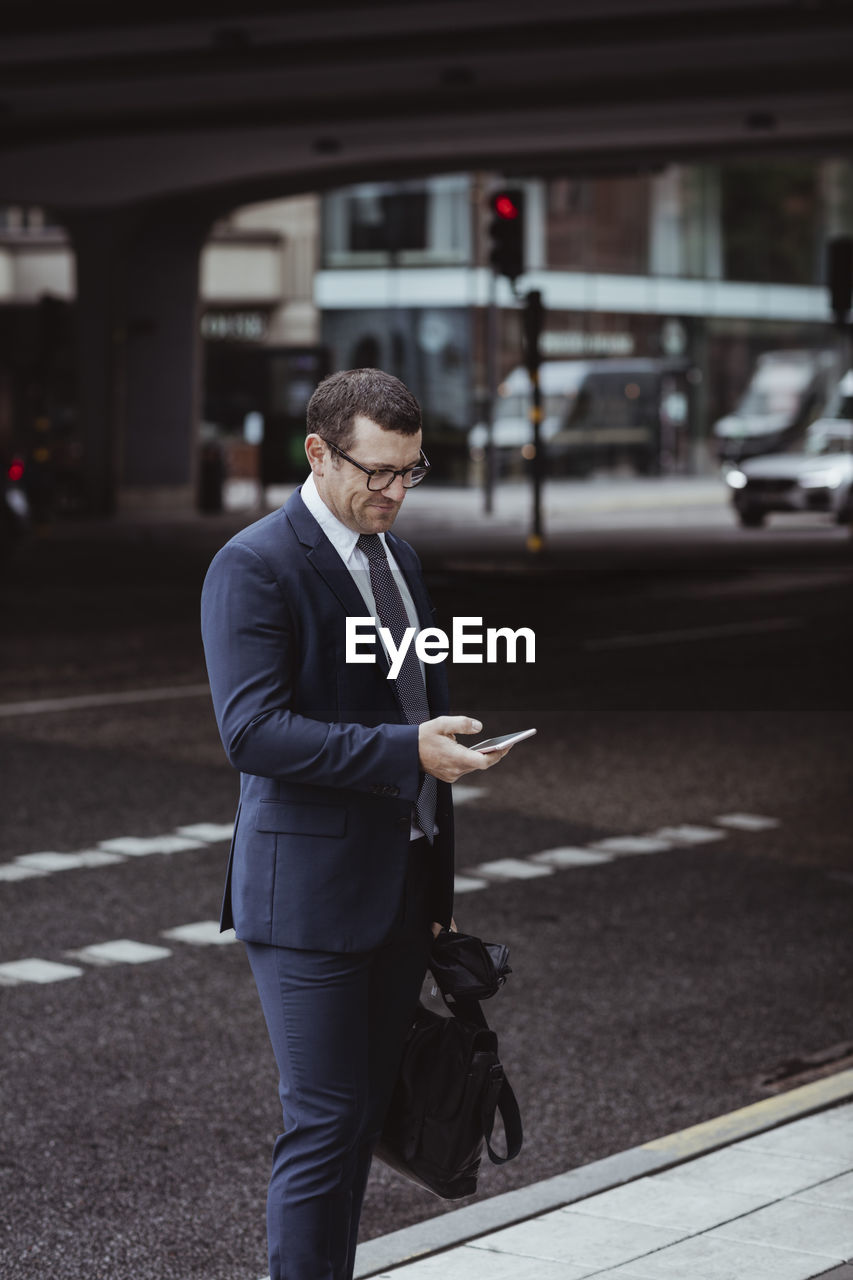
(490,469)
(533,315)
(536,541)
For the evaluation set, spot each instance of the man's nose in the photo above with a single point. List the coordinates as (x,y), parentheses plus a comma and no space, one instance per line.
(396,491)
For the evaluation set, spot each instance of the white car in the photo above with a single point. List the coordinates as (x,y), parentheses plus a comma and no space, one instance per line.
(820,478)
(786,391)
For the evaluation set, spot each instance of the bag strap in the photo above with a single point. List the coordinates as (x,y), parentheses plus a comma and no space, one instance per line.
(507,1105)
(498,1097)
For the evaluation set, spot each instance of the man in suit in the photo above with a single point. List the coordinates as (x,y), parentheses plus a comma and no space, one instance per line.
(341,866)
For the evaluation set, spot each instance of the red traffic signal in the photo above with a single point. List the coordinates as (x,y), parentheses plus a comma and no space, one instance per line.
(505,206)
(506,231)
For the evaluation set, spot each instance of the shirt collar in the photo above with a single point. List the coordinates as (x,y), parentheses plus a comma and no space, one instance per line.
(342,539)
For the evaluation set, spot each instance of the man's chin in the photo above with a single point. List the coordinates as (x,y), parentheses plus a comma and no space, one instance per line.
(380,519)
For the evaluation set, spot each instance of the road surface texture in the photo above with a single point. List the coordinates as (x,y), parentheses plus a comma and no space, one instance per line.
(669,859)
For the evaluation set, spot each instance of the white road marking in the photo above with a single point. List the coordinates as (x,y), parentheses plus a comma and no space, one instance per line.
(12,871)
(719,632)
(67,861)
(747,821)
(471,880)
(622,845)
(511,869)
(109,852)
(463,793)
(120,951)
(204,933)
(210,832)
(141,847)
(35,970)
(688,834)
(571,857)
(468,884)
(85,701)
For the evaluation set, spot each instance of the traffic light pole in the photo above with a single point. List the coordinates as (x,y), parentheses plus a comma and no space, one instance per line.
(532,331)
(535,539)
(490,468)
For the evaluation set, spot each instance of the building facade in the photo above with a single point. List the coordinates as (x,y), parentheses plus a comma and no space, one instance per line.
(709,265)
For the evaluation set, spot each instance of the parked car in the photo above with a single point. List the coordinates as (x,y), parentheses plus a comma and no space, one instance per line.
(820,478)
(787,391)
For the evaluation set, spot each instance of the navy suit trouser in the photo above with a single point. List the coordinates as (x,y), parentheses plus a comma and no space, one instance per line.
(337,1022)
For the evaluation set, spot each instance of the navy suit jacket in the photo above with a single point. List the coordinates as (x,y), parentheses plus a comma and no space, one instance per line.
(329,769)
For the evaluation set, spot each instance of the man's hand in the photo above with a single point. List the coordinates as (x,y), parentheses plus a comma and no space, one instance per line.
(444,757)
(437,928)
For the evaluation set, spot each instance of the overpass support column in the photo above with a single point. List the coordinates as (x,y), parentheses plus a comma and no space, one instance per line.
(98,239)
(139,353)
(162,361)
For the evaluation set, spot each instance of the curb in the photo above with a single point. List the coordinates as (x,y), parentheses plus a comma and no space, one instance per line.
(375,1257)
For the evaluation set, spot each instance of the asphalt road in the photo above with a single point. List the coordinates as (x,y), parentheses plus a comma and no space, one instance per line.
(690,680)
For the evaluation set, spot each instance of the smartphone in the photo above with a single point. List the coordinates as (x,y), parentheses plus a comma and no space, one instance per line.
(505,740)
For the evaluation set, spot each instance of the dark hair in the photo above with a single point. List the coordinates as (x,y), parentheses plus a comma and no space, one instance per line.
(341,397)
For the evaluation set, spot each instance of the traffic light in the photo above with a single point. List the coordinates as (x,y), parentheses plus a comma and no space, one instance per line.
(506,230)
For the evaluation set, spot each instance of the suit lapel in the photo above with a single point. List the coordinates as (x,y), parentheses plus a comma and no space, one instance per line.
(323,556)
(325,559)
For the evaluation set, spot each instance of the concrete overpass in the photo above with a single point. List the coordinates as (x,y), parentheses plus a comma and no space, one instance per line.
(138,130)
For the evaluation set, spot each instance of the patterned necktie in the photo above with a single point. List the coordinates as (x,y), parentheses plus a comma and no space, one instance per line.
(411,693)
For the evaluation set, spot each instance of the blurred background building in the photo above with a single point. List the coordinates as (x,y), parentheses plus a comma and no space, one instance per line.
(701,267)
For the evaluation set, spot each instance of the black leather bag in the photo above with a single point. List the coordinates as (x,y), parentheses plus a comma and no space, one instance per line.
(466,968)
(449,1089)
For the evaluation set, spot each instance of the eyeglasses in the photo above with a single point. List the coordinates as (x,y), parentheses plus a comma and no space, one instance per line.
(379,478)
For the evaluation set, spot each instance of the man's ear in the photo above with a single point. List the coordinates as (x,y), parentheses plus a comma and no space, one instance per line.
(315,451)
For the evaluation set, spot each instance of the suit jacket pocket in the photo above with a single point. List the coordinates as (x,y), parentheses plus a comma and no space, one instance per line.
(301,819)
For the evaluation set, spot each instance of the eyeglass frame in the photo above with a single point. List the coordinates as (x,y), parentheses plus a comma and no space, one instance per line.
(375,471)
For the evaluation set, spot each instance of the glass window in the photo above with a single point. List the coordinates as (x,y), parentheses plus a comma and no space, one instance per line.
(392,220)
(771,219)
(419,223)
(599,224)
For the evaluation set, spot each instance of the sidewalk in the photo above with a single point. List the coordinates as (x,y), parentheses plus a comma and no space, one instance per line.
(765,1193)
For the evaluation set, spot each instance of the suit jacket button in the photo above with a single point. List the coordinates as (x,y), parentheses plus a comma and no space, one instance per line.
(403,824)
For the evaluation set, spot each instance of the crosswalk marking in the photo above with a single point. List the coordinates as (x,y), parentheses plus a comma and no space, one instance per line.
(512,869)
(142,846)
(468,884)
(462,793)
(685,834)
(49,861)
(688,834)
(747,822)
(15,871)
(570,857)
(621,845)
(36,970)
(120,951)
(193,835)
(204,933)
(209,832)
